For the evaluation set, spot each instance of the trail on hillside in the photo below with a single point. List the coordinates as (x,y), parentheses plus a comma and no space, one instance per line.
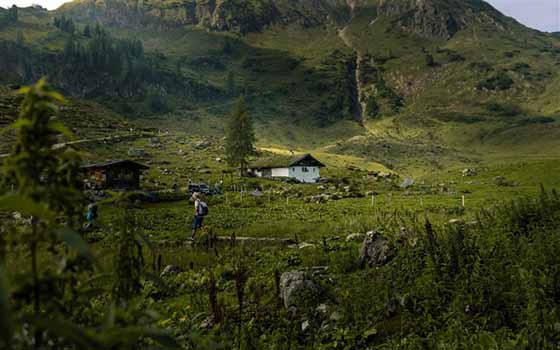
(359,93)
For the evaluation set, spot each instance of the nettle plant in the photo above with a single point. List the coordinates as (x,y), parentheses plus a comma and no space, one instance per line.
(55,302)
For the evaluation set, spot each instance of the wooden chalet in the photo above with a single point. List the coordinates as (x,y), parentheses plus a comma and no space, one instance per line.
(116,175)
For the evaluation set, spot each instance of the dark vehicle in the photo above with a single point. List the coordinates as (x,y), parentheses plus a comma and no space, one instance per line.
(204,189)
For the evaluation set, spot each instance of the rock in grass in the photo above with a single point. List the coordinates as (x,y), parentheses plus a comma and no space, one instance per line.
(297,289)
(376,250)
(306,245)
(355,237)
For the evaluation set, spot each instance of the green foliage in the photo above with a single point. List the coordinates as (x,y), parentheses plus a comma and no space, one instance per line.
(87,31)
(52,304)
(65,24)
(240,136)
(129,262)
(9,16)
(501,81)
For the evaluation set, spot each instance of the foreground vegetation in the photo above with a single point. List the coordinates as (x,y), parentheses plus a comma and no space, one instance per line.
(488,280)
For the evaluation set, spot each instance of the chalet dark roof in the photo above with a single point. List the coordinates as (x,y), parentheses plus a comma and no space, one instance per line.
(281,161)
(112,163)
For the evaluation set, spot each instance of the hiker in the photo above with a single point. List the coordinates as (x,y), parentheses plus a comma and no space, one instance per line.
(200,211)
(91,215)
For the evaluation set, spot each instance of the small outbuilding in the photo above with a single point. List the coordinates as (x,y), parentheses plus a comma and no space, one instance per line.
(116,174)
(303,168)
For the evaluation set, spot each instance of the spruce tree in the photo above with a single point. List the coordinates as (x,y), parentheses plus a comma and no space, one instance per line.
(13,14)
(240,137)
(87,31)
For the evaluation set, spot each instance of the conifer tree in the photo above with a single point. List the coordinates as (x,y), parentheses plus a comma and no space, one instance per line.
(13,14)
(87,31)
(240,137)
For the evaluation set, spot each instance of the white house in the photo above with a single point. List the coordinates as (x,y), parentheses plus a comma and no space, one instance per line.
(304,168)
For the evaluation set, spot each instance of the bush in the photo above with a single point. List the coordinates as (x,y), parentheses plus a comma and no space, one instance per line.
(503,108)
(498,82)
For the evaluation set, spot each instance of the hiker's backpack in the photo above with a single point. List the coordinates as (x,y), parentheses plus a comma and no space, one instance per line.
(202,209)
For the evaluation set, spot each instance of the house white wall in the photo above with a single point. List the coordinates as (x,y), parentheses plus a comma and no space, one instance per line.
(280,172)
(307,174)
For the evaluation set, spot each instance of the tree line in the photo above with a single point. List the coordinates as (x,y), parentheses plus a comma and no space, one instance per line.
(9,16)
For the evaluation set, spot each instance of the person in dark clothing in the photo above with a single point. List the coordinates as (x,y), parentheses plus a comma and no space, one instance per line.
(200,211)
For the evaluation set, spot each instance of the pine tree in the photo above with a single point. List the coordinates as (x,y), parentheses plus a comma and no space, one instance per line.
(87,31)
(240,137)
(13,14)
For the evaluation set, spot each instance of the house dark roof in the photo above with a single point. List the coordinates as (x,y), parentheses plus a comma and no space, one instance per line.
(280,161)
(111,163)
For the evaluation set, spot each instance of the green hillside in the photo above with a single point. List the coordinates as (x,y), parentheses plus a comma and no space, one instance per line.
(400,82)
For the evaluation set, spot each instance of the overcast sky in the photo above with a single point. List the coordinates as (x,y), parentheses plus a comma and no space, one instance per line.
(540,14)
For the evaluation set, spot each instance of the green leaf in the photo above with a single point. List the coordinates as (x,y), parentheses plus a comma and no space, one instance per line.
(110,315)
(370,332)
(6,325)
(64,329)
(13,202)
(74,241)
(146,240)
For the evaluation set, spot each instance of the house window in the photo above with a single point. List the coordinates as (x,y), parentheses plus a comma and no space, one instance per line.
(304,169)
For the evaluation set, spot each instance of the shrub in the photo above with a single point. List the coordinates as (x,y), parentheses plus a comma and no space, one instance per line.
(498,82)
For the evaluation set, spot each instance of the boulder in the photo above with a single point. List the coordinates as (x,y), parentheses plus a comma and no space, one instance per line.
(136,152)
(297,289)
(375,250)
(408,182)
(202,144)
(171,270)
(469,172)
(355,237)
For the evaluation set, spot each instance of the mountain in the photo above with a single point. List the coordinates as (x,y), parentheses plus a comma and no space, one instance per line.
(223,15)
(396,81)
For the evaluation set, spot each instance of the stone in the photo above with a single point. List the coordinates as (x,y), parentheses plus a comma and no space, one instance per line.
(305,245)
(136,152)
(297,289)
(207,324)
(336,316)
(469,172)
(407,183)
(355,237)
(203,144)
(376,250)
(322,309)
(170,270)
(456,222)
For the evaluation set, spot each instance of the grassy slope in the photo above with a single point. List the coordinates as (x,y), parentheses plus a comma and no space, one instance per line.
(86,119)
